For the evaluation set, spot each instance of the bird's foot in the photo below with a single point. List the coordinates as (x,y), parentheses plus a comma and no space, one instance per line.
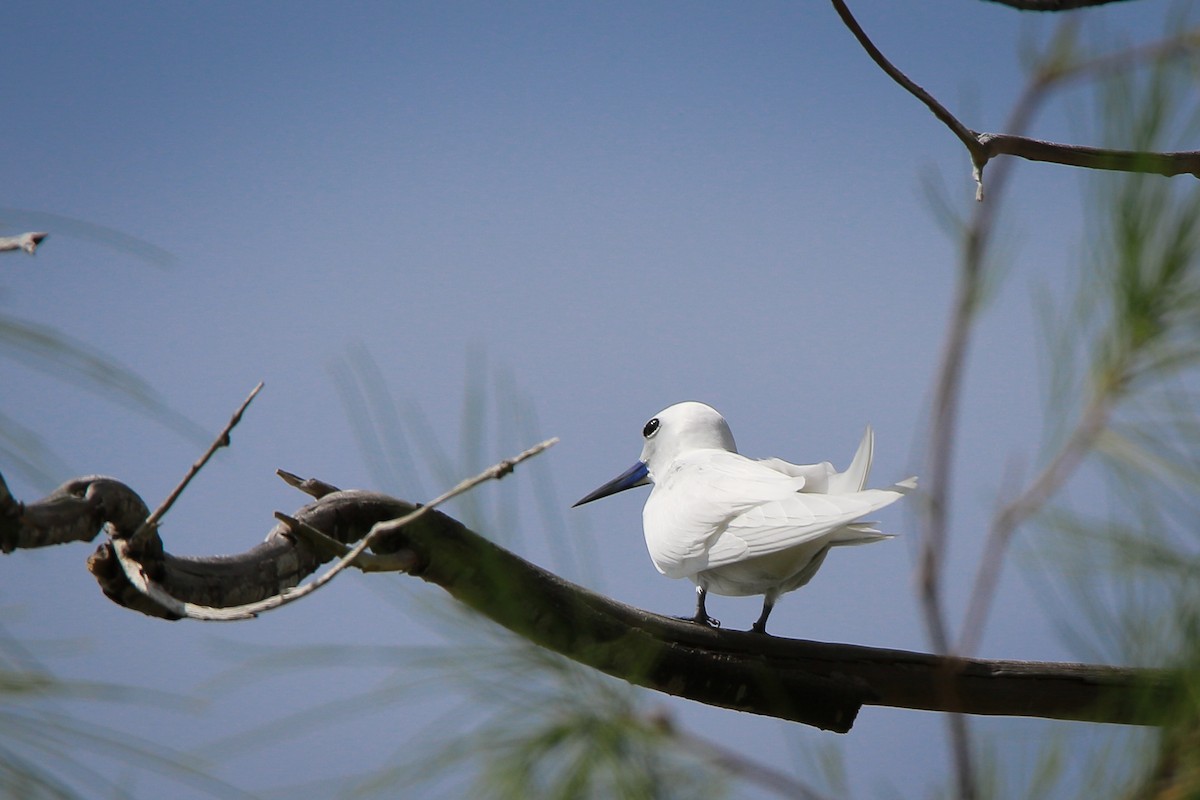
(759,627)
(702,619)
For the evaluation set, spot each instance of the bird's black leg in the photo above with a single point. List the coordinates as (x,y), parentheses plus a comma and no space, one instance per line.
(761,625)
(701,617)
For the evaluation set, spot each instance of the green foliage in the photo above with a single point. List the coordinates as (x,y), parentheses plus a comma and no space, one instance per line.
(556,730)
(48,753)
(542,726)
(1129,567)
(45,752)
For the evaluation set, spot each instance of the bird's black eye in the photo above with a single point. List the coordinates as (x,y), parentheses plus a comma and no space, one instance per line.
(651,428)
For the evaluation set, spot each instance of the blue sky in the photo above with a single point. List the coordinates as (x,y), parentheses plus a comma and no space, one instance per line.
(619,205)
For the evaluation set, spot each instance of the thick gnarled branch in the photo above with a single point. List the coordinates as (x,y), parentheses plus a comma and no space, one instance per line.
(811,682)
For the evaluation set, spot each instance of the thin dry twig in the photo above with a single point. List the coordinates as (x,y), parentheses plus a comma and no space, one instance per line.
(145,585)
(222,440)
(25,241)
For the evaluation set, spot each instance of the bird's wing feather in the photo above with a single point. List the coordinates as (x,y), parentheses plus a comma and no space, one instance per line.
(712,508)
(731,518)
(699,494)
(796,520)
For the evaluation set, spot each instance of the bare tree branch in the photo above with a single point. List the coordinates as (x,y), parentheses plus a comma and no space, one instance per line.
(983,147)
(810,682)
(1053,5)
(1072,155)
(26,241)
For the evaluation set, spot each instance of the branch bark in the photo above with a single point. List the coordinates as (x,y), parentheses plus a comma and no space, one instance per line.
(815,683)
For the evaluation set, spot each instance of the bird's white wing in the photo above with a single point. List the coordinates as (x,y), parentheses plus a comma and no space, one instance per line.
(816,476)
(798,519)
(695,500)
(713,508)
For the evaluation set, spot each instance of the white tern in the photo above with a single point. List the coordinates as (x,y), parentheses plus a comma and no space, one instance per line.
(737,526)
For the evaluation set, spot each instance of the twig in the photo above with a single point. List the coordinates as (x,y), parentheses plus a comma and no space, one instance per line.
(948,384)
(944,427)
(222,440)
(1110,63)
(249,610)
(964,134)
(26,241)
(1031,500)
(329,548)
(313,487)
(944,421)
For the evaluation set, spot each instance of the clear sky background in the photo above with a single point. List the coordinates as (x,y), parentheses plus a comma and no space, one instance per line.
(607,208)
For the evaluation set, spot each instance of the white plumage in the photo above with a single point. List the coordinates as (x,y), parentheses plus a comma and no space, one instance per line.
(737,526)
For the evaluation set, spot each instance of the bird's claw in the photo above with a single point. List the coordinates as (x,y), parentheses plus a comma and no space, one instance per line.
(702,619)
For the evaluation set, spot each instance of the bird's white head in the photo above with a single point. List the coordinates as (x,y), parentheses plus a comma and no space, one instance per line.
(671,432)
(680,429)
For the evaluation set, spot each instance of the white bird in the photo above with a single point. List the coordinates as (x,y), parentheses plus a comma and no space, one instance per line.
(738,526)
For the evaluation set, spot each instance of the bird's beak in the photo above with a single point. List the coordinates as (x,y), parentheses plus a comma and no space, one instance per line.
(637,475)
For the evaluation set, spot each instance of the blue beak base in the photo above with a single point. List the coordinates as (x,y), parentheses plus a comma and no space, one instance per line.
(637,475)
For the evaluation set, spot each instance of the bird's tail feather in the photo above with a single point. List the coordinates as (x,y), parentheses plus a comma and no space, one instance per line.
(858,533)
(854,479)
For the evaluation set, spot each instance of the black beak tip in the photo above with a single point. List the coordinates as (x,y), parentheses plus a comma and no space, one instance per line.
(637,475)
